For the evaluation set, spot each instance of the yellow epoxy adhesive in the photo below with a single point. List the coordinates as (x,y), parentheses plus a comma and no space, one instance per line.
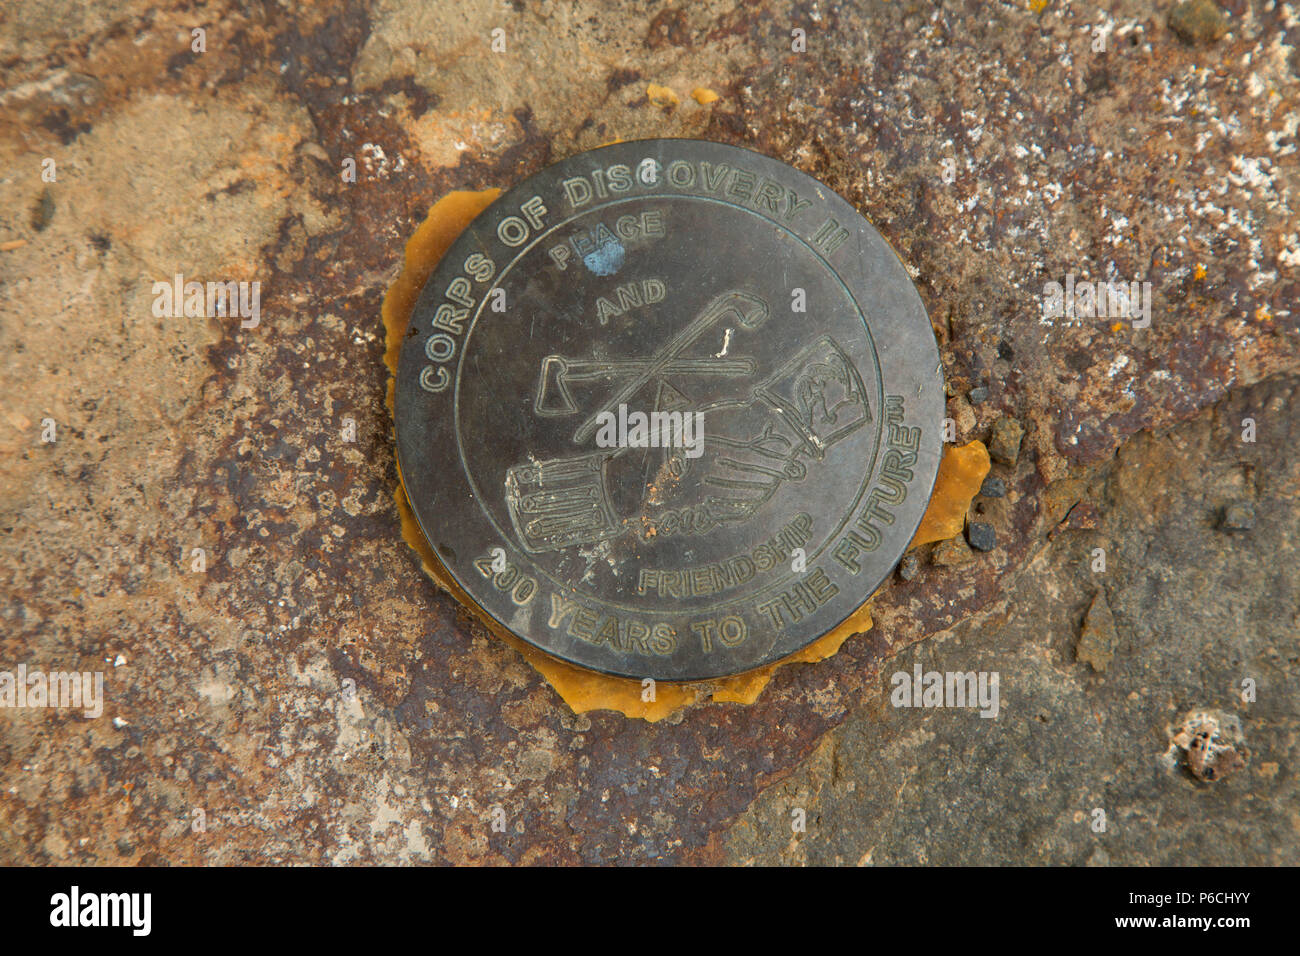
(585,690)
(661,95)
(961,472)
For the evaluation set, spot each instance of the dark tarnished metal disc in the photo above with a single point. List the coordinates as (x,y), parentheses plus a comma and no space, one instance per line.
(770,343)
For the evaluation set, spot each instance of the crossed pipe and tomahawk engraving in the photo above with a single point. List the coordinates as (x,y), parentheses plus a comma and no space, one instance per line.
(794,416)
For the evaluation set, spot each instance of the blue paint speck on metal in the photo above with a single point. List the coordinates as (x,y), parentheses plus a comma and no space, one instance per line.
(606,260)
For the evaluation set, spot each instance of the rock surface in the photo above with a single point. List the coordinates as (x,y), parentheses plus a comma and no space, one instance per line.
(213,527)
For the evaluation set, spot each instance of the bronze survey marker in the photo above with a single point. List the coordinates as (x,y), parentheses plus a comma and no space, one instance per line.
(669,409)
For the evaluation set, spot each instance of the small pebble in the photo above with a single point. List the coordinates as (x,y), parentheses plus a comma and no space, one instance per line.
(951,553)
(981,536)
(1198,21)
(993,488)
(1004,443)
(909,567)
(978,394)
(1098,637)
(1238,516)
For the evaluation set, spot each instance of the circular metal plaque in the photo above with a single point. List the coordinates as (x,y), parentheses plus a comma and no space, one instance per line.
(669,409)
